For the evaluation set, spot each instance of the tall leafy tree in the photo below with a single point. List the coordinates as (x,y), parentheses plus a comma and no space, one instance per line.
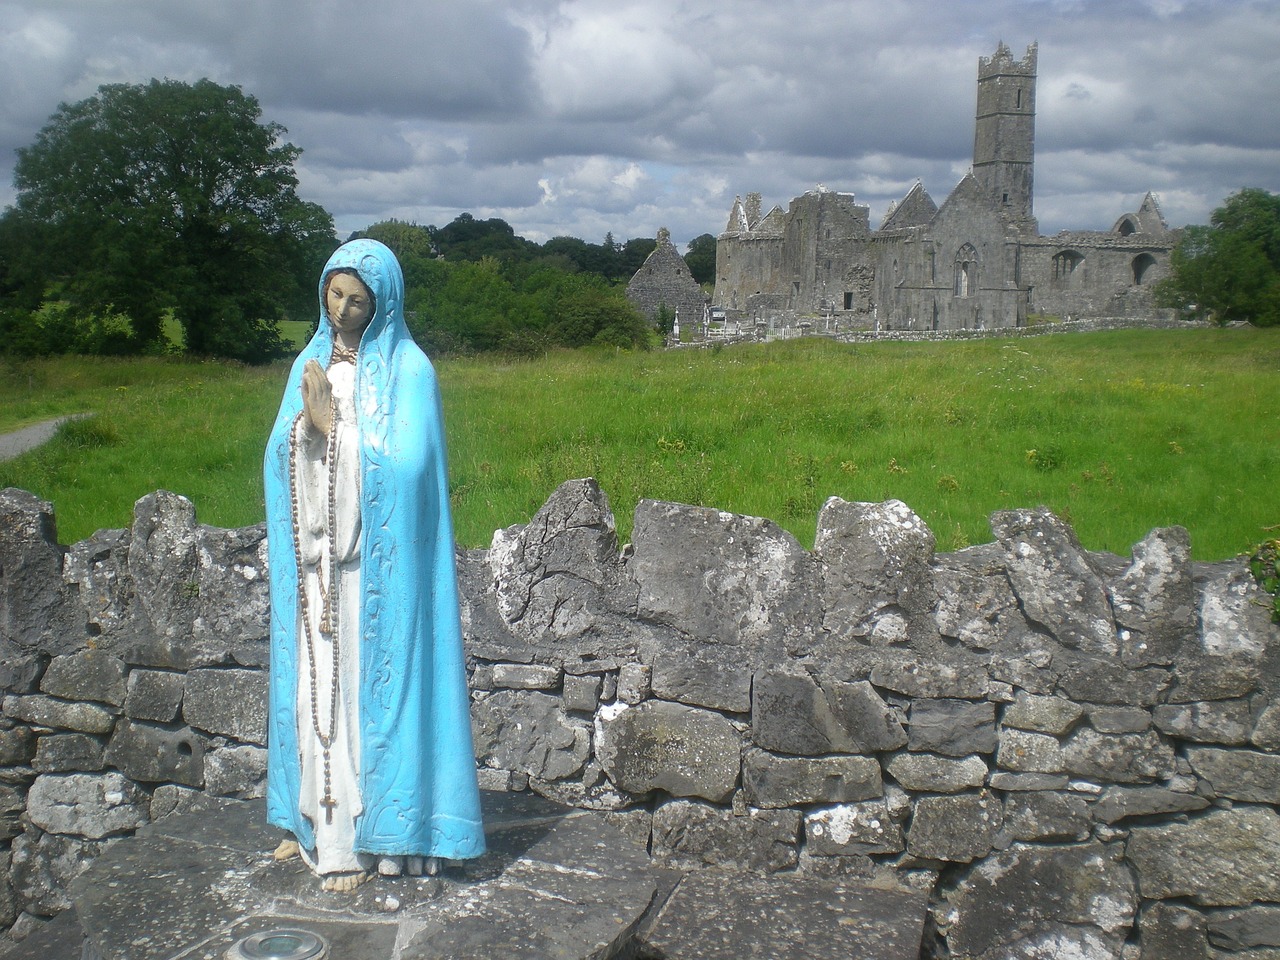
(172,196)
(701,258)
(1230,269)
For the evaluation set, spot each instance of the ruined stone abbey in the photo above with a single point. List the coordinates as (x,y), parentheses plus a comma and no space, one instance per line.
(978,261)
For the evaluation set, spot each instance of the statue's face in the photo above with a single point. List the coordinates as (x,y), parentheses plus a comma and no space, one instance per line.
(349,303)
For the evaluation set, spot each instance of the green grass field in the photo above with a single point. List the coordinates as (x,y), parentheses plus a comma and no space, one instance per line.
(1117,432)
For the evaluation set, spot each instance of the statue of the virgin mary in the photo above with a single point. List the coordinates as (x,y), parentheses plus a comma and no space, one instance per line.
(370,762)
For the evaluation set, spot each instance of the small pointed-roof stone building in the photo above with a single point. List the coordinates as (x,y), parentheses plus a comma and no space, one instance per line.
(976,261)
(664,280)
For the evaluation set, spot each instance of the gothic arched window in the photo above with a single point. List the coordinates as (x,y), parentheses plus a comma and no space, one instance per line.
(966,271)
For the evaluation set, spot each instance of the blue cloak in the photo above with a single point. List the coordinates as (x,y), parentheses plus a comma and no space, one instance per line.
(417,778)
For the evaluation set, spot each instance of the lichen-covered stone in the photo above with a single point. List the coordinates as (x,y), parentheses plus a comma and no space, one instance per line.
(17,744)
(958,828)
(60,714)
(955,728)
(69,753)
(154,754)
(1246,929)
(526,676)
(657,745)
(1154,600)
(1173,932)
(931,679)
(88,675)
(976,605)
(86,805)
(1046,816)
(12,804)
(36,612)
(1120,803)
(1119,719)
(1233,613)
(1224,858)
(852,828)
(771,781)
(1027,892)
(528,731)
(1107,680)
(792,713)
(1024,752)
(228,703)
(1052,715)
(1056,586)
(1123,758)
(154,695)
(702,680)
(582,693)
(723,578)
(43,867)
(688,834)
(1238,774)
(236,771)
(634,682)
(930,773)
(874,561)
(1227,722)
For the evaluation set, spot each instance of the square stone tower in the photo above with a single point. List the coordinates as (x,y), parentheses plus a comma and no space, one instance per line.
(1005,131)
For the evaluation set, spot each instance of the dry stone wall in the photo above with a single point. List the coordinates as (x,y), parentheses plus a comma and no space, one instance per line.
(1077,753)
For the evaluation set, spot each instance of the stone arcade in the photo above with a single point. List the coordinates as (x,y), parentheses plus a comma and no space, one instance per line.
(976,262)
(1068,753)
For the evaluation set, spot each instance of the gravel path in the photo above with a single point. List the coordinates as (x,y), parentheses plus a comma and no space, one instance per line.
(28,438)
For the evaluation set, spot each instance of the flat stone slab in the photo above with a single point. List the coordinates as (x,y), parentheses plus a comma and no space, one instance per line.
(554,883)
(715,915)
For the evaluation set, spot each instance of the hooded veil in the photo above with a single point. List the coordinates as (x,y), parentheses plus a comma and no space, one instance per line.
(415,771)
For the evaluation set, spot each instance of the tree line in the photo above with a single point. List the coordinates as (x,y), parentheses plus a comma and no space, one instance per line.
(148,205)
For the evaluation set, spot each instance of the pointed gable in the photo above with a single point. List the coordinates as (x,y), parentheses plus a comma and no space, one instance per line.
(737,218)
(773,223)
(915,210)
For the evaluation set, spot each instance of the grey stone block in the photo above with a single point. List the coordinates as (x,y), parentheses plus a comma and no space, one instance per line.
(152,754)
(1046,816)
(237,771)
(634,681)
(958,828)
(1155,601)
(1120,719)
(582,693)
(716,916)
(1247,929)
(954,728)
(1052,715)
(69,753)
(1026,894)
(88,675)
(852,828)
(1173,932)
(1224,858)
(1120,803)
(87,805)
(683,750)
(44,866)
(17,744)
(929,773)
(60,714)
(229,703)
(1226,722)
(529,732)
(792,713)
(1238,774)
(703,680)
(1024,752)
(771,781)
(526,676)
(689,834)
(1123,758)
(154,695)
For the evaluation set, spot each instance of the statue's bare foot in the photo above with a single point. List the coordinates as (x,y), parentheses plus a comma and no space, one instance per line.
(344,882)
(287,850)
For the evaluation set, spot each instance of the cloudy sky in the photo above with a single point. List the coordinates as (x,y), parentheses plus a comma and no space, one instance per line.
(581,117)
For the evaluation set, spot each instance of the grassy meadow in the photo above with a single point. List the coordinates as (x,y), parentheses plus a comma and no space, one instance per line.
(1118,432)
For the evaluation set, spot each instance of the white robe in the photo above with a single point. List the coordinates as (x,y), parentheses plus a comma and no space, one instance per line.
(335,836)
